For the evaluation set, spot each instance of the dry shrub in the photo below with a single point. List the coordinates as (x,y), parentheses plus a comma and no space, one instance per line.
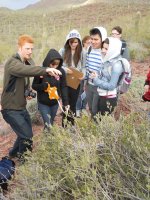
(104,160)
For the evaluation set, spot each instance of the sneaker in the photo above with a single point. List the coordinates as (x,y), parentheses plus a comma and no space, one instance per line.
(78,113)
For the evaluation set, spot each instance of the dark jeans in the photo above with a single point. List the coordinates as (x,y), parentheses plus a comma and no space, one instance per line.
(92,99)
(72,98)
(106,105)
(48,113)
(20,122)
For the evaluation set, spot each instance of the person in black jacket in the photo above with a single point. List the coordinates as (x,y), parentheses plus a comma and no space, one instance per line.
(49,89)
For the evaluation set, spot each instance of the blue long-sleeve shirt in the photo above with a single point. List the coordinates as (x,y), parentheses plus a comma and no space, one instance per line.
(110,75)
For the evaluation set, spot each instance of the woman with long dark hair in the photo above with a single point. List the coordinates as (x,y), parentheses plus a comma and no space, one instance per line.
(73,58)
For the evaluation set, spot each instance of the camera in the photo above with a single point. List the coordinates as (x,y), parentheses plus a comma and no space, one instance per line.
(29,93)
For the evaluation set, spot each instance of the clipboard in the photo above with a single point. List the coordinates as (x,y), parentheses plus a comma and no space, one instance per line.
(73,79)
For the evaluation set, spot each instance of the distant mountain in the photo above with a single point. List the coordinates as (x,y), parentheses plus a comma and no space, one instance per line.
(56,5)
(4,9)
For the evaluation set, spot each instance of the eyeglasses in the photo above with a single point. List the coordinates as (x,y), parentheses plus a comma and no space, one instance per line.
(115,33)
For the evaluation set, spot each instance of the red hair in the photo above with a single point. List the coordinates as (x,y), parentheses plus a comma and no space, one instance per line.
(25,39)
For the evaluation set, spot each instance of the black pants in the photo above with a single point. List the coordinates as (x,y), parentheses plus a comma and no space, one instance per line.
(20,122)
(106,105)
(72,97)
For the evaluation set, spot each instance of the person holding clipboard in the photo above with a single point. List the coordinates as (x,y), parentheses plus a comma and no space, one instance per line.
(74,65)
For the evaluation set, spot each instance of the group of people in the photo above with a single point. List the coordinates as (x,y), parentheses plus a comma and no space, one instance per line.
(97,87)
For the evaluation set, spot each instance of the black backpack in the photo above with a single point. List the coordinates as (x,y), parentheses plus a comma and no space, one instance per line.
(7,169)
(124,45)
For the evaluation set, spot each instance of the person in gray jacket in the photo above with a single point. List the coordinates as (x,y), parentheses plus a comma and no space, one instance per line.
(107,80)
(16,91)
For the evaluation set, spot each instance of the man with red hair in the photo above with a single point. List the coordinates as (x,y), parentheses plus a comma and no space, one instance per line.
(17,71)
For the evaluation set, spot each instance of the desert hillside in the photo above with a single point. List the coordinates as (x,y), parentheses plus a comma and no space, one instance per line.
(89,161)
(47,26)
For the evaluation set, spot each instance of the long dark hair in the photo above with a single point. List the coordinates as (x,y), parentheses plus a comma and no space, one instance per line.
(68,55)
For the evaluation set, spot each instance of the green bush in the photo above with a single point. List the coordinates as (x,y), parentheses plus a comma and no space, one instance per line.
(138,51)
(107,160)
(32,107)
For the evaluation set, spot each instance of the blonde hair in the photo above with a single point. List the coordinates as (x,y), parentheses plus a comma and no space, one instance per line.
(25,39)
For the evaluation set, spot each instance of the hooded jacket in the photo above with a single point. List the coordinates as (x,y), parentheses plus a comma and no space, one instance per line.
(103,32)
(41,83)
(81,64)
(111,69)
(15,82)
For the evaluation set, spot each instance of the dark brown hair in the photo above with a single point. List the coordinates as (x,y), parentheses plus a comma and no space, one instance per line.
(77,54)
(95,31)
(118,29)
(106,41)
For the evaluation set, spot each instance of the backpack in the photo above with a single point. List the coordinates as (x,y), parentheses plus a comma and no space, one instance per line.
(7,169)
(89,50)
(125,78)
(124,45)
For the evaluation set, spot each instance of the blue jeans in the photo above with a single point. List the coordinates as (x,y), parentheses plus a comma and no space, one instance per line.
(20,122)
(48,113)
(81,102)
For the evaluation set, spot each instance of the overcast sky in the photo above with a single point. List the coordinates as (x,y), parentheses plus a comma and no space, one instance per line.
(16,4)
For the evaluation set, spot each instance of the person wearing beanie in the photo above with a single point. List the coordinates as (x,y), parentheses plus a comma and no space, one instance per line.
(94,64)
(73,57)
(48,105)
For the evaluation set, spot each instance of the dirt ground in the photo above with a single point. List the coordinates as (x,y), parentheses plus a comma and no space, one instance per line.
(7,136)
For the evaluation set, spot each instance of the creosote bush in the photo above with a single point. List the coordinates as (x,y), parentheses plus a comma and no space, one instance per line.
(104,160)
(32,107)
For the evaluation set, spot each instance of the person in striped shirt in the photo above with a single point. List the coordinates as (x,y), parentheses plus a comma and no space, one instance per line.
(94,64)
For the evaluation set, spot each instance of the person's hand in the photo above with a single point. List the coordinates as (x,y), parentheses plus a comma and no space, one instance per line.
(69,71)
(81,78)
(0,107)
(67,107)
(93,75)
(29,97)
(53,72)
(146,88)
